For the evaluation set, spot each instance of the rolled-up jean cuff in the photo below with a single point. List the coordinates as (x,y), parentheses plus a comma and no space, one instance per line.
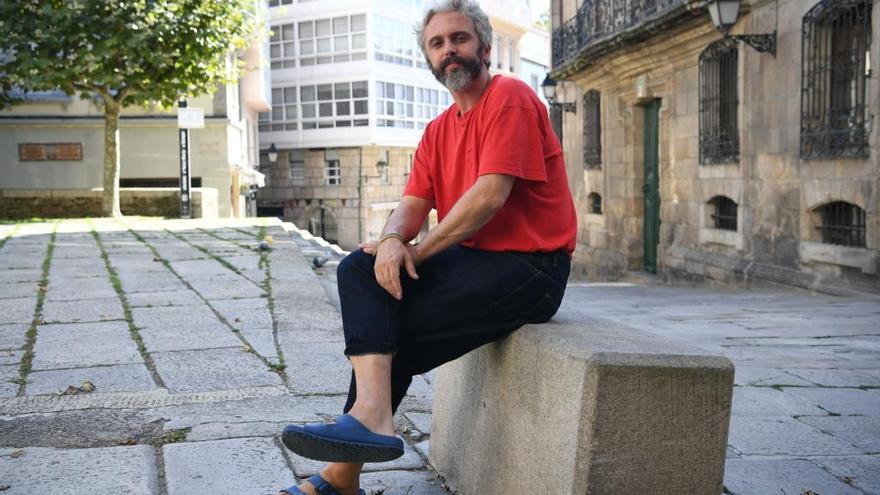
(369,348)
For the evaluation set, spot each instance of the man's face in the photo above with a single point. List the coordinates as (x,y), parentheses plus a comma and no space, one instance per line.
(454,51)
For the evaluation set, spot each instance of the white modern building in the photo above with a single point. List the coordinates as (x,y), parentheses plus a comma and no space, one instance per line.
(351,94)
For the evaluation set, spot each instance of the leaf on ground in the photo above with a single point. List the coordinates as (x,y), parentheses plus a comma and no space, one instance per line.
(17,454)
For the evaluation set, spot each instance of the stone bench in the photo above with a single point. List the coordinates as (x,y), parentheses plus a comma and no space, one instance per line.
(583,406)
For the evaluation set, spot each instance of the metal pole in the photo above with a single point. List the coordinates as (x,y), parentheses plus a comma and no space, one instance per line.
(185,180)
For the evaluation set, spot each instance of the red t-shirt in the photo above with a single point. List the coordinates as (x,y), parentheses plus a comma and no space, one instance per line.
(507,132)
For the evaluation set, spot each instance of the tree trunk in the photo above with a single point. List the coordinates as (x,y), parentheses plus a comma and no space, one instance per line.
(110,198)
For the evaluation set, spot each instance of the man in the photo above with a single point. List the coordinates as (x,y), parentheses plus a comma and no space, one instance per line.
(498,258)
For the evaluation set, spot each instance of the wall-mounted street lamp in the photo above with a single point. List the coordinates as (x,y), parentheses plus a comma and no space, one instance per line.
(273,154)
(724,14)
(549,88)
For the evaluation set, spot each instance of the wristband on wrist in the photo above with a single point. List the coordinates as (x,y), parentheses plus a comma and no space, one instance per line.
(390,235)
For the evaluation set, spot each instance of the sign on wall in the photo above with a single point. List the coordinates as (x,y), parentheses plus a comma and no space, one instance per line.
(190,118)
(48,152)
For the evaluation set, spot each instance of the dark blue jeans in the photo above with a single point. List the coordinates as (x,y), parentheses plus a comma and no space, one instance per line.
(464,298)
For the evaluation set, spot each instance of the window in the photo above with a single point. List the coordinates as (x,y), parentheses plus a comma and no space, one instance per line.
(337,39)
(595,203)
(323,225)
(332,170)
(283,116)
(842,223)
(297,167)
(511,56)
(282,46)
(393,42)
(592,130)
(724,213)
(836,69)
(342,104)
(719,129)
(408,107)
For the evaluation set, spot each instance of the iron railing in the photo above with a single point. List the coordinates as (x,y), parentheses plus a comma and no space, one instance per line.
(842,224)
(836,40)
(719,130)
(600,19)
(725,213)
(592,130)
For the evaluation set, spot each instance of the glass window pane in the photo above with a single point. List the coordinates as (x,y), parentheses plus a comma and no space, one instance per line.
(380,89)
(389,107)
(277,95)
(398,109)
(306,30)
(308,111)
(358,41)
(359,56)
(290,94)
(389,90)
(325,92)
(277,113)
(322,27)
(359,22)
(342,91)
(409,110)
(307,93)
(307,61)
(287,32)
(290,112)
(359,89)
(290,64)
(360,107)
(325,60)
(343,123)
(340,43)
(340,25)
(275,51)
(342,108)
(409,93)
(289,49)
(324,45)
(325,109)
(276,33)
(306,47)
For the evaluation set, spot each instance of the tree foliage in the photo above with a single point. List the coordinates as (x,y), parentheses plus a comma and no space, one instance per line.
(133,51)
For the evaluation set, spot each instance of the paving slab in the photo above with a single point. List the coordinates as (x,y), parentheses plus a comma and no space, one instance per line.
(199,269)
(18,290)
(761,401)
(262,341)
(8,276)
(181,338)
(18,310)
(864,471)
(66,289)
(13,336)
(176,317)
(10,357)
(163,298)
(227,287)
(318,368)
(282,409)
(784,436)
(83,345)
(248,466)
(861,431)
(150,282)
(85,310)
(774,477)
(402,483)
(838,377)
(766,377)
(224,431)
(7,374)
(242,318)
(118,378)
(846,401)
(421,421)
(107,470)
(184,371)
(410,460)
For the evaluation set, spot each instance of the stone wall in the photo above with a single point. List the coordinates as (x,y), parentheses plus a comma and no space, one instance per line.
(75,203)
(776,192)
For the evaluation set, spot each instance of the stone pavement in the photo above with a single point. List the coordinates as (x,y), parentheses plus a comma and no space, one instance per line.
(164,357)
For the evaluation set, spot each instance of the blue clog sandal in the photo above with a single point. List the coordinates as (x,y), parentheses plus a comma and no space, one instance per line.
(321,486)
(346,440)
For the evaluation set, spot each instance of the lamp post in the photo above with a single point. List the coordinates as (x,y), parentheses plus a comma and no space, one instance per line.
(272,153)
(549,88)
(724,14)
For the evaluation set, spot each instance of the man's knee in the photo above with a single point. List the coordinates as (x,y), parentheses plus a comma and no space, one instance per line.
(355,267)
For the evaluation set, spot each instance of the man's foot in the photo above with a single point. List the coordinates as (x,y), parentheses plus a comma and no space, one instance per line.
(327,477)
(345,441)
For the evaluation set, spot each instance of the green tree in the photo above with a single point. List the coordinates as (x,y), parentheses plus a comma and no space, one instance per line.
(122,53)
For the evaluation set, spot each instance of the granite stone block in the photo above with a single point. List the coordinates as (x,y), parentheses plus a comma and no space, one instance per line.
(18,310)
(179,338)
(118,378)
(863,470)
(775,476)
(861,431)
(80,345)
(784,436)
(85,310)
(760,401)
(846,401)
(242,466)
(403,483)
(13,336)
(163,298)
(8,373)
(184,371)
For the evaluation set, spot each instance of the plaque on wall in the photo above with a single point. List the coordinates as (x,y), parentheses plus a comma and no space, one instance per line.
(50,152)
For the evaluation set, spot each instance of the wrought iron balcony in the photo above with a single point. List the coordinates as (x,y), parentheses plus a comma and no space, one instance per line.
(602,20)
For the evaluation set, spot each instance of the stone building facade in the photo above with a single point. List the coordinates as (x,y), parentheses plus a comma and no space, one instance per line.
(699,157)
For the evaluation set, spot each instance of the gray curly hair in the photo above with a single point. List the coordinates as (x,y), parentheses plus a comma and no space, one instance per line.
(467,8)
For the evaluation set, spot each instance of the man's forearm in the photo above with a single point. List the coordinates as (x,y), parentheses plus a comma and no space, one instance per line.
(407,219)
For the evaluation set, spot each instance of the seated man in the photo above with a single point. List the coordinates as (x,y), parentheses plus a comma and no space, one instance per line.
(498,258)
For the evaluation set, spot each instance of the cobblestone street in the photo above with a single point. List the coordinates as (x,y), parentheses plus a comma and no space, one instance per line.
(164,357)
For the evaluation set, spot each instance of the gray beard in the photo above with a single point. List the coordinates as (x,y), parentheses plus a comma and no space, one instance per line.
(458,79)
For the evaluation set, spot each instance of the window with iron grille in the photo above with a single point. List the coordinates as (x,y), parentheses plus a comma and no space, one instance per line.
(719,130)
(332,169)
(842,224)
(835,73)
(724,213)
(592,130)
(595,203)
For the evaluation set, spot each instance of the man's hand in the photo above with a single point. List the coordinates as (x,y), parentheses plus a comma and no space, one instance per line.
(391,254)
